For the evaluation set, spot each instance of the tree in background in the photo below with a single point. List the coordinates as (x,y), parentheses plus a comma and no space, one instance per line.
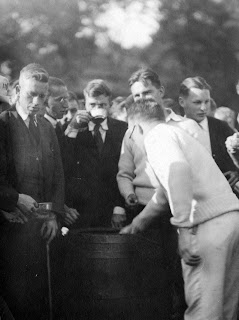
(193,37)
(50,32)
(198,37)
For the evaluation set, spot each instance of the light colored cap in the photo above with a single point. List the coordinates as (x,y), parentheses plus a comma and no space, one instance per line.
(4,84)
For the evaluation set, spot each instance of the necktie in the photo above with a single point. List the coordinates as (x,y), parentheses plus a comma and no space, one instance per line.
(98,138)
(34,130)
(59,131)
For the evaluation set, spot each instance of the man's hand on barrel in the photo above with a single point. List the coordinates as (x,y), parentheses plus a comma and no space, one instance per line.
(136,226)
(187,249)
(49,229)
(71,215)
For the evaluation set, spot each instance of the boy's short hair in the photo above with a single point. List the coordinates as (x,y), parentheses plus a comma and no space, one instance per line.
(96,88)
(72,96)
(54,83)
(193,82)
(143,75)
(35,71)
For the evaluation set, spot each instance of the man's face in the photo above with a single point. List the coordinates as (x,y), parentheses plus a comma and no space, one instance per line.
(73,106)
(147,91)
(31,95)
(97,106)
(196,104)
(58,102)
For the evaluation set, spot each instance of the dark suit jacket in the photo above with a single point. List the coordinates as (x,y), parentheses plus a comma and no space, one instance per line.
(219,131)
(13,163)
(91,185)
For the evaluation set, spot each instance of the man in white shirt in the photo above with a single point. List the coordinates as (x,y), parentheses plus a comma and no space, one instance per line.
(204,209)
(194,98)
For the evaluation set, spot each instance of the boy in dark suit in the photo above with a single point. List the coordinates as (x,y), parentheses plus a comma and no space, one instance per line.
(94,142)
(194,97)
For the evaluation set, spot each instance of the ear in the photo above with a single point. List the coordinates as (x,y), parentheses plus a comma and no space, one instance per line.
(162,91)
(181,101)
(18,89)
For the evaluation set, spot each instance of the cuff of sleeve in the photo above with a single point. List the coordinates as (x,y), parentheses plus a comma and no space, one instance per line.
(71,132)
(119,210)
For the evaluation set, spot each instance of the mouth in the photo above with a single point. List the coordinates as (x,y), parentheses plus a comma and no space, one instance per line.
(34,109)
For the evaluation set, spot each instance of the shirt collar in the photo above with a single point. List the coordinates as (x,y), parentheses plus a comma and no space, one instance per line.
(103,125)
(21,112)
(171,115)
(51,120)
(204,124)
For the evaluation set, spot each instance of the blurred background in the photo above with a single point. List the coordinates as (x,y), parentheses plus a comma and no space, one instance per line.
(81,40)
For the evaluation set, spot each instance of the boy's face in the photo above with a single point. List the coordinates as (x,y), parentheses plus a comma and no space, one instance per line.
(97,106)
(31,95)
(196,104)
(58,102)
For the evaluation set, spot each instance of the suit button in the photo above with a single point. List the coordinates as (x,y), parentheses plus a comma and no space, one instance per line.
(37,159)
(213,155)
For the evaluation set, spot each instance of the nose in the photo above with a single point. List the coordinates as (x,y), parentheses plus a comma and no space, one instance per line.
(139,97)
(36,101)
(203,106)
(65,105)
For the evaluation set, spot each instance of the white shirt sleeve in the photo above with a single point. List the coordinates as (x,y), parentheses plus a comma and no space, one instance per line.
(126,165)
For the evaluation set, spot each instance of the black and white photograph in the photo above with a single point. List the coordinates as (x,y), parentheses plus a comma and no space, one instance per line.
(119,160)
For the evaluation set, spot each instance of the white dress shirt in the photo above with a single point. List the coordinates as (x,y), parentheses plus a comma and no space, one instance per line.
(102,129)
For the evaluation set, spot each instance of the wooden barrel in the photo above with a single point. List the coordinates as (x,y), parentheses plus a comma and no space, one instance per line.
(110,276)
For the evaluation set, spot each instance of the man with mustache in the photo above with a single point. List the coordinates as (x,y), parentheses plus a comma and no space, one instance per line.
(203,207)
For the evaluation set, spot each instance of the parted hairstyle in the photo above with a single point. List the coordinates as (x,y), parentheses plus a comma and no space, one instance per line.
(53,83)
(193,82)
(96,88)
(72,96)
(146,110)
(35,71)
(143,75)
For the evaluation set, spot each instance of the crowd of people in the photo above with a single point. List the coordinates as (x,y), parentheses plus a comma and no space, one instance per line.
(130,164)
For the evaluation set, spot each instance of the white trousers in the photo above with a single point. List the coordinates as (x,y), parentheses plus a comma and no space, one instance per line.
(212,288)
